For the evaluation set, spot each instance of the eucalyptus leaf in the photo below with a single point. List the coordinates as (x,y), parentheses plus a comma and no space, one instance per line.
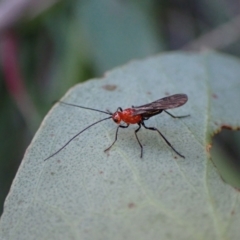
(84,193)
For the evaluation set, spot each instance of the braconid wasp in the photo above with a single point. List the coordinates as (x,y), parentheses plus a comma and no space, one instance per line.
(136,115)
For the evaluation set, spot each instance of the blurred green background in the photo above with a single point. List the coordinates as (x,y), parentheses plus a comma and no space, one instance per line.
(48,46)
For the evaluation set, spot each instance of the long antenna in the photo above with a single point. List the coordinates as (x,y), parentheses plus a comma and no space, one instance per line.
(93,109)
(77,135)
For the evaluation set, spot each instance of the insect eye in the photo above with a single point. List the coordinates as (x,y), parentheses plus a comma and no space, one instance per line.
(116,118)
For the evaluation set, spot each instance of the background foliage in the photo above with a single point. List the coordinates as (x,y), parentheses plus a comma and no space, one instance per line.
(48,46)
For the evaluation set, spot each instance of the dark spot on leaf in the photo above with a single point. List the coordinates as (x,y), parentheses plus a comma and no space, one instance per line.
(232,212)
(224,126)
(208,147)
(227,127)
(167,93)
(214,95)
(131,205)
(175,157)
(109,87)
(216,123)
(100,172)
(58,161)
(111,182)
(52,173)
(149,93)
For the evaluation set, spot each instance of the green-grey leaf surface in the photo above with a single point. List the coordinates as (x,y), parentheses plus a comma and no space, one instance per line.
(84,193)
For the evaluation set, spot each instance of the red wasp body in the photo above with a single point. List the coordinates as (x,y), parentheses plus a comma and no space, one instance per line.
(137,115)
(126,116)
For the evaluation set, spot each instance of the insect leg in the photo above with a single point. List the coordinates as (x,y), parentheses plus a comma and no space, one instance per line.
(176,116)
(168,143)
(138,139)
(119,126)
